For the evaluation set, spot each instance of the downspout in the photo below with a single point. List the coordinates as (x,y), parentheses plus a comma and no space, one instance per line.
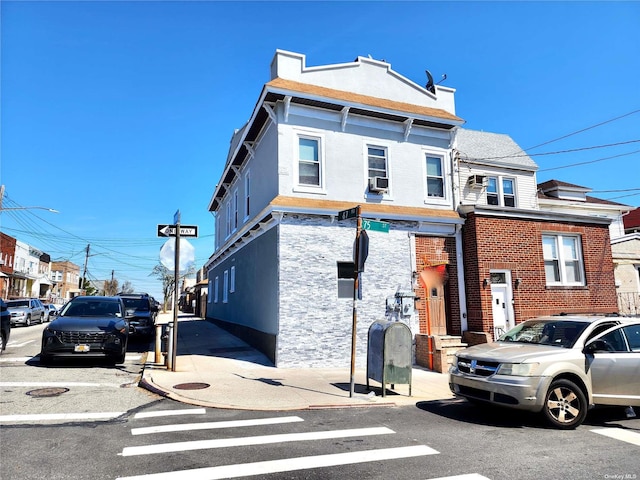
(462,295)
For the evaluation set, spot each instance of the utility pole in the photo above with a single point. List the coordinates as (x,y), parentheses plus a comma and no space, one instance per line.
(84,272)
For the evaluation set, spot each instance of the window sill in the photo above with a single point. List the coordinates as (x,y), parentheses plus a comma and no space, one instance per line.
(316,190)
(566,287)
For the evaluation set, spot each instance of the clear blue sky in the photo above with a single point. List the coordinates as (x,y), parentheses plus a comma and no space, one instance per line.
(119,113)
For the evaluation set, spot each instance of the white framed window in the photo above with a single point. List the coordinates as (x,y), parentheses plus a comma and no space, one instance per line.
(232,280)
(216,286)
(435,176)
(309,162)
(377,165)
(228,219)
(225,287)
(247,195)
(210,296)
(236,208)
(501,191)
(563,262)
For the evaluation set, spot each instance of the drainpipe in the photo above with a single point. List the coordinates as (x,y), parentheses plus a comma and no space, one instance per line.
(462,295)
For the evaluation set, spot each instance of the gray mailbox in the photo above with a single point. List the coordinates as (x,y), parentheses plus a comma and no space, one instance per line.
(389,354)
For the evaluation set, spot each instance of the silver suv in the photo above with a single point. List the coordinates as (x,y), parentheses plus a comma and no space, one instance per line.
(26,311)
(560,366)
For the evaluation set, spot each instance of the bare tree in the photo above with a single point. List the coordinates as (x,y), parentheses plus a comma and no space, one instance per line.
(111,287)
(168,280)
(127,287)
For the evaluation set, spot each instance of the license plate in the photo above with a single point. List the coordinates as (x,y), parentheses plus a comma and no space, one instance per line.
(81,348)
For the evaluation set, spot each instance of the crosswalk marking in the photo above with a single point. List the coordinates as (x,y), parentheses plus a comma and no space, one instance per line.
(61,416)
(620,434)
(214,425)
(257,440)
(18,345)
(58,384)
(289,464)
(468,476)
(168,413)
(15,359)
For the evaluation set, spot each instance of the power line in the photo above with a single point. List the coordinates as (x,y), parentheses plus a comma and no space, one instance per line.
(584,129)
(588,162)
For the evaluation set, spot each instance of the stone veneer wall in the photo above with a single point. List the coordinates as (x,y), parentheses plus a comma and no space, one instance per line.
(314,324)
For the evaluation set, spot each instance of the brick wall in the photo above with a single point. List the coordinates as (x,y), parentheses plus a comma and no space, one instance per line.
(516,245)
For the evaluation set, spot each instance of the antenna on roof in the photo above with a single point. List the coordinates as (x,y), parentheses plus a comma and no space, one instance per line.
(444,77)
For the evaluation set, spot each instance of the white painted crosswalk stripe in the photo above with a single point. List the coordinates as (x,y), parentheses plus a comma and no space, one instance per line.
(289,464)
(468,476)
(257,440)
(214,425)
(620,434)
(43,417)
(58,384)
(169,413)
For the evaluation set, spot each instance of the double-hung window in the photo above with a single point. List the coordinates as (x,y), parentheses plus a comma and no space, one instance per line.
(247,195)
(501,191)
(435,176)
(377,162)
(309,162)
(563,263)
(225,287)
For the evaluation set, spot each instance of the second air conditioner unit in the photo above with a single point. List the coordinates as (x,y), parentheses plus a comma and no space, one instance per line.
(378,184)
(478,181)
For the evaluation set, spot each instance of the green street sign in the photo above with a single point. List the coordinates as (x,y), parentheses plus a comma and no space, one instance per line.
(375,226)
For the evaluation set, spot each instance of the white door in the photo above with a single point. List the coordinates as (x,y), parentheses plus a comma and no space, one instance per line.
(499,309)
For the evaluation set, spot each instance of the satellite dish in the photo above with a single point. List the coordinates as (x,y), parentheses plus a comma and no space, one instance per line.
(430,85)
(168,254)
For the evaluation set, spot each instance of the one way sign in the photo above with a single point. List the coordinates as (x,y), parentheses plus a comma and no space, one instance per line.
(170,230)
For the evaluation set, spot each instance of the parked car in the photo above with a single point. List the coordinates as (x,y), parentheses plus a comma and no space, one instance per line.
(50,310)
(559,366)
(87,327)
(26,311)
(141,312)
(5,325)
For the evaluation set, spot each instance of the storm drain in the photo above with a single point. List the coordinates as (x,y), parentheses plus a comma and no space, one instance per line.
(191,386)
(47,392)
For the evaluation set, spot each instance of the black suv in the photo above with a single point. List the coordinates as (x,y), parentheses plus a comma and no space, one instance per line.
(140,312)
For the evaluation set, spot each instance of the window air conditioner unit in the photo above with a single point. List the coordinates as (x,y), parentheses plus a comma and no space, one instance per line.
(378,184)
(478,181)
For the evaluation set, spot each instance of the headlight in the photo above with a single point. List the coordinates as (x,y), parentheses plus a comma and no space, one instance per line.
(517,369)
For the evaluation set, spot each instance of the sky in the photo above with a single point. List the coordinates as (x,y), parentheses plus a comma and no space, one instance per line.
(118,114)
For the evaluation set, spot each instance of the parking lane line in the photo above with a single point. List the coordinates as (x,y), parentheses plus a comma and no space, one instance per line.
(61,416)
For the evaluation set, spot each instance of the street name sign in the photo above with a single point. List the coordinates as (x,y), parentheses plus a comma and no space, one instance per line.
(375,226)
(170,230)
(348,213)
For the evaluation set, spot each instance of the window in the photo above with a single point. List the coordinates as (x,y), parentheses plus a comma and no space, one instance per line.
(247,195)
(232,285)
(236,207)
(210,296)
(501,191)
(435,177)
(562,260)
(228,218)
(309,161)
(377,162)
(216,284)
(225,287)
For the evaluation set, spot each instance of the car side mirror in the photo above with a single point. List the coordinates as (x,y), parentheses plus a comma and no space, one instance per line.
(596,346)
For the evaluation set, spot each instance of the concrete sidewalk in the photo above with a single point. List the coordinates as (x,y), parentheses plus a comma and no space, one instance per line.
(216,369)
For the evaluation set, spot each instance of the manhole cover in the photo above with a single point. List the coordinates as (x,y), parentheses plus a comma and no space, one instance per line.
(47,392)
(191,386)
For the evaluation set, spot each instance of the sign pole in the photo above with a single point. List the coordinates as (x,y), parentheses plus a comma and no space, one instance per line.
(356,282)
(174,339)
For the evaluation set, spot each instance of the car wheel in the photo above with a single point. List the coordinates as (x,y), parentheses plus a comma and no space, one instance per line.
(565,405)
(1,344)
(120,358)
(28,321)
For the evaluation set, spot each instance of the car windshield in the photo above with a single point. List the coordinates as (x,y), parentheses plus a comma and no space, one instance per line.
(137,303)
(559,333)
(92,308)
(18,303)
